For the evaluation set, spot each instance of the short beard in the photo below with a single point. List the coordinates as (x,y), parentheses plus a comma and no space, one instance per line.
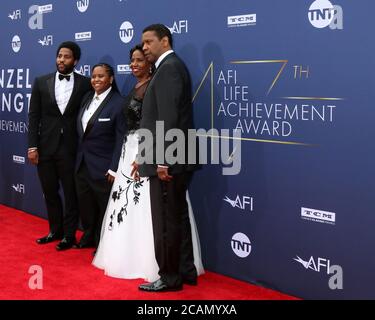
(66,71)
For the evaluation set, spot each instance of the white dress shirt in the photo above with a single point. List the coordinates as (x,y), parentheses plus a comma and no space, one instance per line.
(92,107)
(63,91)
(156,66)
(162,57)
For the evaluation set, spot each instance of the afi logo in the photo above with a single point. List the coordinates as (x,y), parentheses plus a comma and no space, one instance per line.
(323,14)
(126,32)
(241,245)
(15,15)
(179,27)
(20,188)
(244,202)
(46,41)
(320,263)
(84,70)
(82,5)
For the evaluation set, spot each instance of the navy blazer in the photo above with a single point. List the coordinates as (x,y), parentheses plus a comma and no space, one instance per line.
(100,144)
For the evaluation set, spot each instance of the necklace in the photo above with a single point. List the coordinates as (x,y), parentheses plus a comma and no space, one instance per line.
(140,83)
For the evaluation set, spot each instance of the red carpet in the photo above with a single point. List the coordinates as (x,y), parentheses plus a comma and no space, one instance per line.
(69,275)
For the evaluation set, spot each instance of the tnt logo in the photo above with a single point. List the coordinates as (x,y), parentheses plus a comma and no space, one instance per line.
(46,41)
(84,70)
(323,14)
(20,188)
(241,245)
(179,27)
(82,5)
(15,15)
(16,43)
(126,32)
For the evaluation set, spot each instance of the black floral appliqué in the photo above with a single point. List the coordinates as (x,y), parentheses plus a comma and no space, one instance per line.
(132,186)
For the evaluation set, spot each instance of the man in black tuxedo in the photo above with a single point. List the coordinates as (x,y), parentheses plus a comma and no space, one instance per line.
(168,98)
(52,141)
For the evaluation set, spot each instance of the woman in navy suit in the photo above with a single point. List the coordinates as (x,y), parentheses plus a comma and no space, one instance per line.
(101,129)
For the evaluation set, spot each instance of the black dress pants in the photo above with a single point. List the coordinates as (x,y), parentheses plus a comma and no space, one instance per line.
(172,231)
(93,196)
(53,170)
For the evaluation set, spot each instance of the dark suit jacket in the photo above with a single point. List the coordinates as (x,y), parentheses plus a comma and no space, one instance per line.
(100,145)
(45,119)
(168,98)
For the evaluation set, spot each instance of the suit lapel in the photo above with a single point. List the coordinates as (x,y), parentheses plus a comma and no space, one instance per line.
(172,54)
(80,114)
(92,120)
(51,89)
(154,76)
(76,86)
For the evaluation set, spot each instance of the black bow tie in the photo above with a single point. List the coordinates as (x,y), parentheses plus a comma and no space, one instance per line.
(61,76)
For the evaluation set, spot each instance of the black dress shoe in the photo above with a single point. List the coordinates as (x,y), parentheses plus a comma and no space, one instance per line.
(66,243)
(190,282)
(81,245)
(158,286)
(49,238)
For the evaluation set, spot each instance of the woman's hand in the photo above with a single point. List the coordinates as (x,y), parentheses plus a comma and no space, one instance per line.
(33,156)
(134,173)
(110,178)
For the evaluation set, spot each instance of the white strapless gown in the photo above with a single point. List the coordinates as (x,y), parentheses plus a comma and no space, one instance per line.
(126,248)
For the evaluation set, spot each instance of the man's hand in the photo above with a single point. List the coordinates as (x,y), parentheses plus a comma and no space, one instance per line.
(33,156)
(163,174)
(134,173)
(110,178)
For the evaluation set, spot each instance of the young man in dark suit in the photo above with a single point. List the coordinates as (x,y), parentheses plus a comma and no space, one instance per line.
(52,141)
(168,99)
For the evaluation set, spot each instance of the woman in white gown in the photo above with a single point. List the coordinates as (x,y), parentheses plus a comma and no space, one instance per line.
(126,248)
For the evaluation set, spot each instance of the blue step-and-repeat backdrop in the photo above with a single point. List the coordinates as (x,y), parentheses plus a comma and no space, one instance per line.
(296,77)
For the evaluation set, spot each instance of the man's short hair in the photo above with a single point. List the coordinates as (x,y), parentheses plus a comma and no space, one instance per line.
(72,46)
(161,31)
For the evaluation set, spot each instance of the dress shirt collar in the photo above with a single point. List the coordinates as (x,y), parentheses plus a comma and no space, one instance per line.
(162,57)
(103,95)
